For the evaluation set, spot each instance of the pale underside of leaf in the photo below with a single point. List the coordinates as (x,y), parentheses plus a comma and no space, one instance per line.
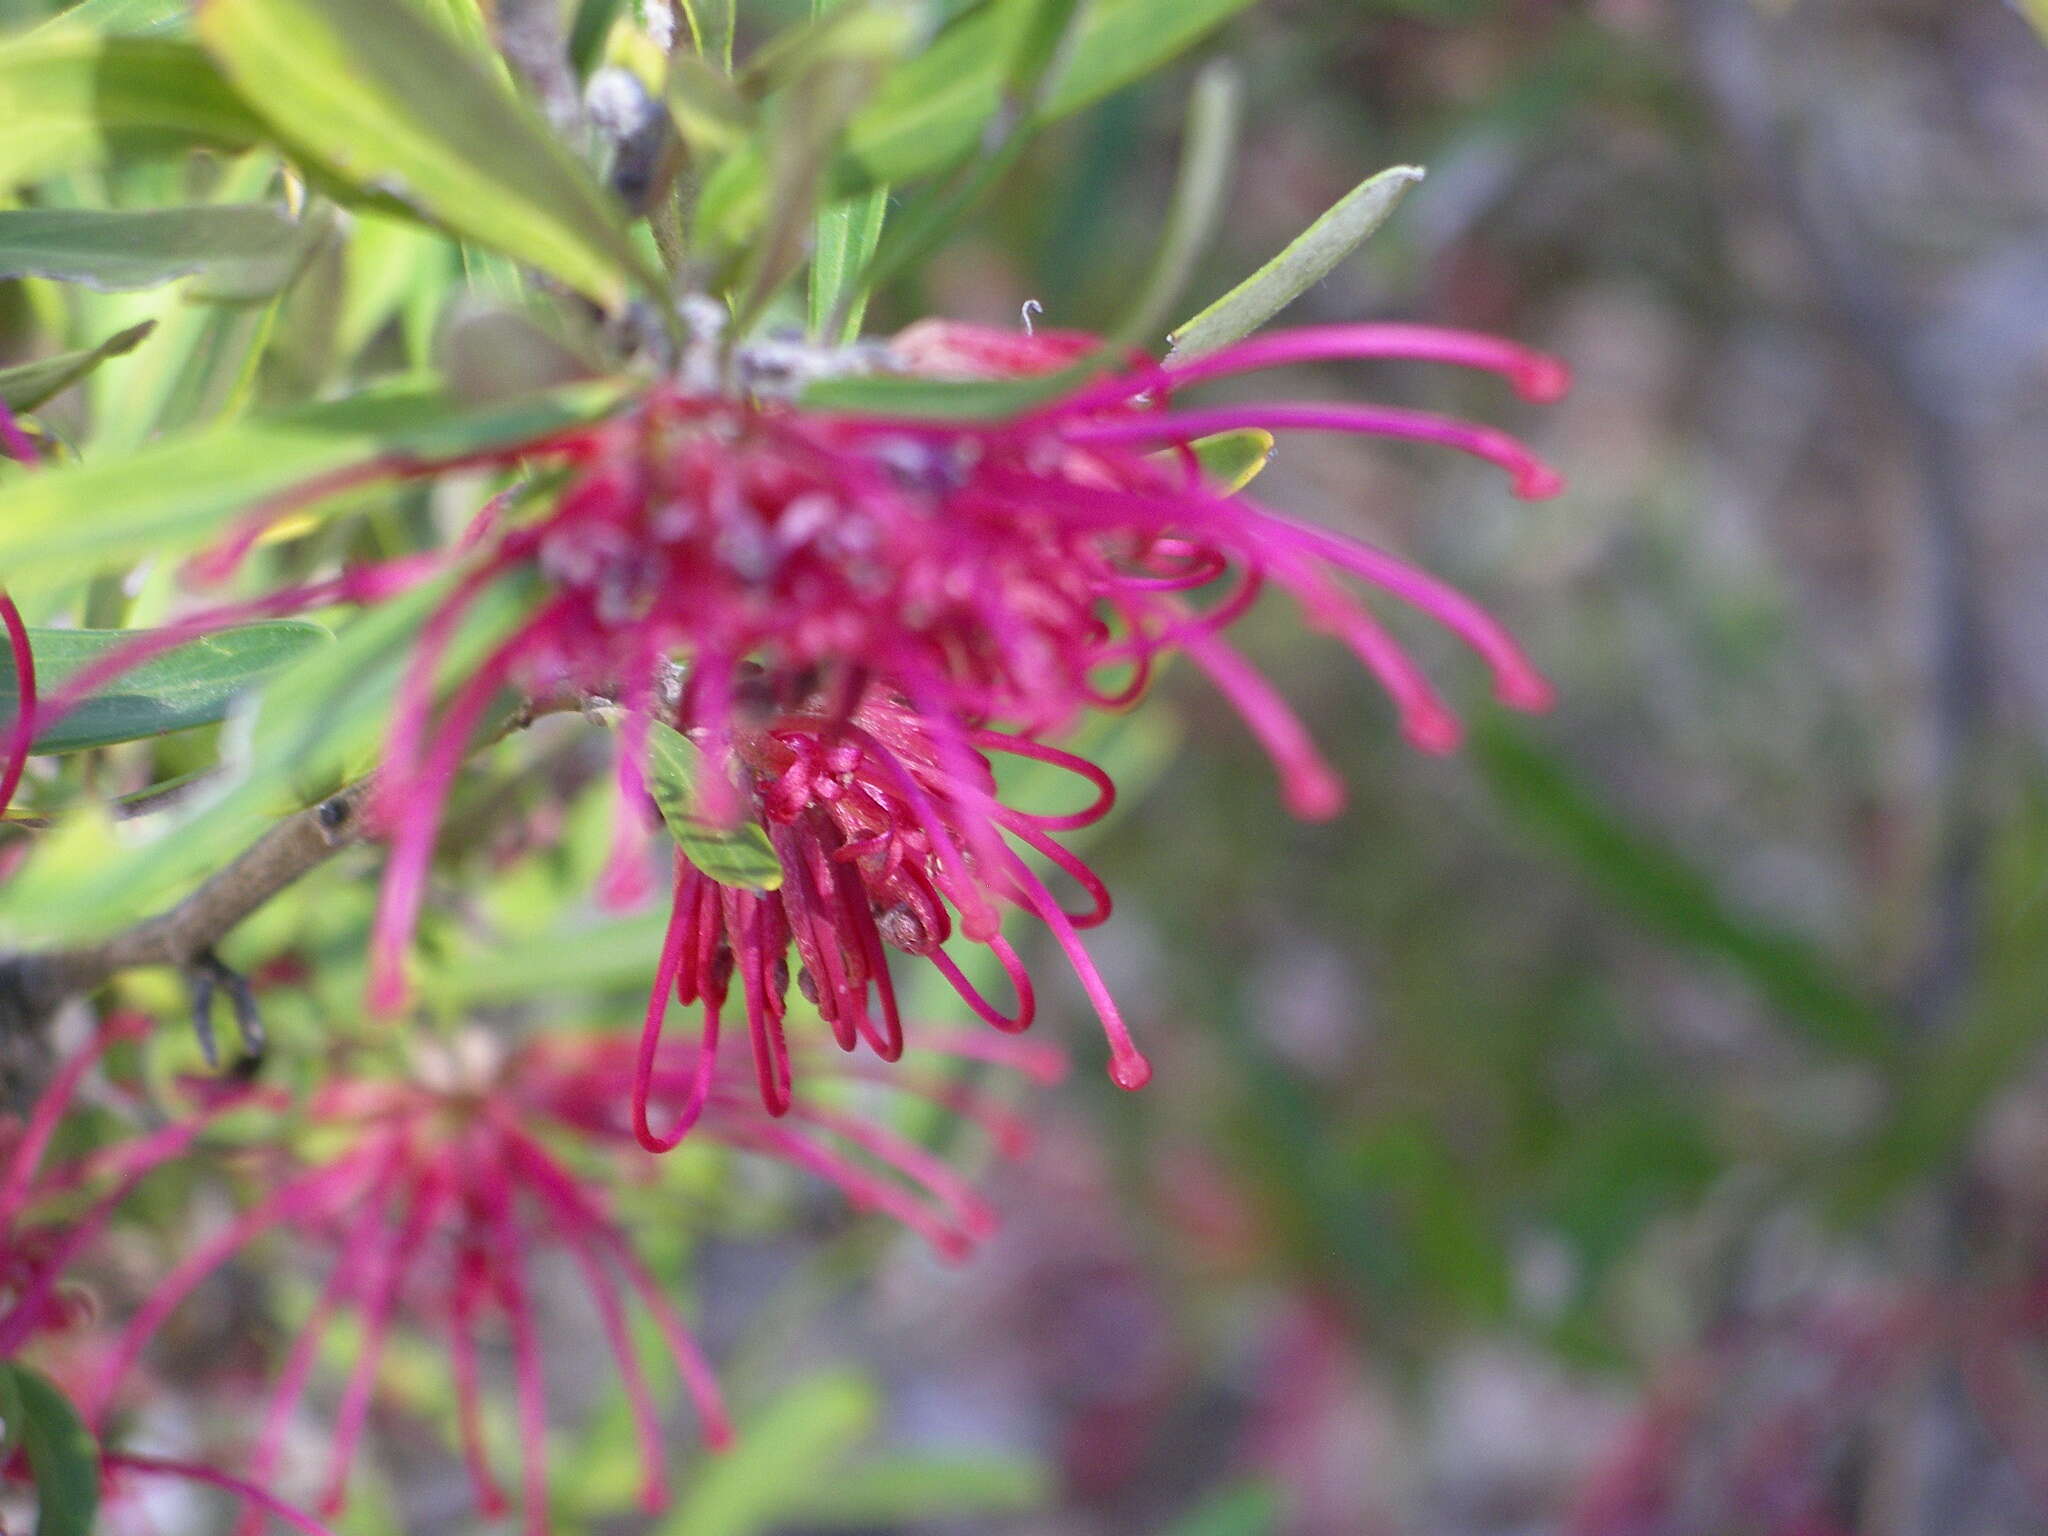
(1307,260)
(191,685)
(173,495)
(389,100)
(249,246)
(28,385)
(736,855)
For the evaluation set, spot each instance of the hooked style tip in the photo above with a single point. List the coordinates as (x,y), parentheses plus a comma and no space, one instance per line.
(1435,731)
(1530,692)
(1313,794)
(1129,1070)
(1542,379)
(1537,481)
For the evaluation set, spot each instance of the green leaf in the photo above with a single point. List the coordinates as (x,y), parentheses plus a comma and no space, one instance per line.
(739,855)
(888,1492)
(25,387)
(1243,1509)
(11,1413)
(707,108)
(589,31)
(61,1456)
(191,685)
(784,1455)
(1307,260)
(845,241)
(579,959)
(387,99)
(73,99)
(320,723)
(1208,146)
(895,394)
(133,18)
(172,495)
(1230,461)
(248,247)
(932,110)
(1659,888)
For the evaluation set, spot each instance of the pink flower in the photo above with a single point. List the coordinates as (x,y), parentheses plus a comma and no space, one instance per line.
(36,1253)
(880,838)
(435,1195)
(978,583)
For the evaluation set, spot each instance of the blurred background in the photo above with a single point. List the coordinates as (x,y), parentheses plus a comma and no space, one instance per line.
(1636,1125)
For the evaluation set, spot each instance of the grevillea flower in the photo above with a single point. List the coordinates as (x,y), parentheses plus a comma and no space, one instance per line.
(986,580)
(37,1250)
(36,1299)
(880,839)
(119,1468)
(436,1193)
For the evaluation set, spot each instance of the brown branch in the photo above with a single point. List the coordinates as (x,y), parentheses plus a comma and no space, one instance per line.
(35,985)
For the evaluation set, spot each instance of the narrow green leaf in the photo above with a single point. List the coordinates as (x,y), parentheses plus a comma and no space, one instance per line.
(1045,28)
(1243,1509)
(191,685)
(248,246)
(738,855)
(847,234)
(1307,260)
(202,359)
(320,723)
(809,118)
(61,1455)
(132,18)
(11,1413)
(888,1492)
(933,109)
(172,495)
(73,99)
(392,102)
(27,386)
(893,394)
(1230,461)
(847,31)
(708,110)
(1659,888)
(1207,149)
(589,31)
(785,1454)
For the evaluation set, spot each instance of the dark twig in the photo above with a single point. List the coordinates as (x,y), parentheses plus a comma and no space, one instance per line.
(33,986)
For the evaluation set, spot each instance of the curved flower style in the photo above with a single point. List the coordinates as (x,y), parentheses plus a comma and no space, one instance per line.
(118,1467)
(36,1254)
(876,835)
(434,1195)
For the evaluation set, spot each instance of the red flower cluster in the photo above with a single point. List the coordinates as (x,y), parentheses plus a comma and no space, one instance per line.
(865,607)
(435,1195)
